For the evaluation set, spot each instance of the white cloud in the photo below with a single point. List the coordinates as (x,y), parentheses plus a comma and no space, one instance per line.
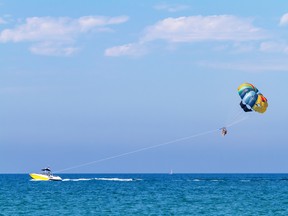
(39,28)
(284,20)
(131,49)
(235,47)
(171,7)
(274,46)
(53,49)
(2,21)
(88,22)
(243,47)
(194,29)
(203,28)
(60,33)
(255,66)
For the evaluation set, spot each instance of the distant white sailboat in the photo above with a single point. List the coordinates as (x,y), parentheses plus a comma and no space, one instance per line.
(171,172)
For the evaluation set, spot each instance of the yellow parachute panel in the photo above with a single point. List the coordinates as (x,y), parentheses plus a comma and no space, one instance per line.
(261,104)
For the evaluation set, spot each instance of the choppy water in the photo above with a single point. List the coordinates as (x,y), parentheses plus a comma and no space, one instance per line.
(146,194)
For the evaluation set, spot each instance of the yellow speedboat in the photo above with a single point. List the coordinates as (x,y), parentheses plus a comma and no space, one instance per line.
(46,175)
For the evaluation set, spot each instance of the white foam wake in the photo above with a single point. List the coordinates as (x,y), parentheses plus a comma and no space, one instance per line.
(80,179)
(115,179)
(103,179)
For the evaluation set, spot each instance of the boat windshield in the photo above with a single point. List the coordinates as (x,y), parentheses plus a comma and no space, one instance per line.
(46,171)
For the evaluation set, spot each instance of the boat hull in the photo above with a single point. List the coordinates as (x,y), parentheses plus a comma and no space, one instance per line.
(41,177)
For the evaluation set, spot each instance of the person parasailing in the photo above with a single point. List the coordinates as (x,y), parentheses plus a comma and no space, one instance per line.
(224,131)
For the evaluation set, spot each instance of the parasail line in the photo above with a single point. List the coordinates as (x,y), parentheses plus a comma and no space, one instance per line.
(139,150)
(236,116)
(237,121)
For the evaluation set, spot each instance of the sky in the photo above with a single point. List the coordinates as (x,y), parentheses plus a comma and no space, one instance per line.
(82,81)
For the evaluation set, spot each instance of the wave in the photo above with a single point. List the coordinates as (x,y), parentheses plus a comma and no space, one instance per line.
(210,180)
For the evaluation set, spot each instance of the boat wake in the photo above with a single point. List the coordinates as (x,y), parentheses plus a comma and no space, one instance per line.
(104,179)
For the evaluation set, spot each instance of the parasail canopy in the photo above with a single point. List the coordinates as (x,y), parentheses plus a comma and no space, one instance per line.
(251,98)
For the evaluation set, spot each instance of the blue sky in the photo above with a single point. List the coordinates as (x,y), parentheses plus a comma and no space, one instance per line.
(84,81)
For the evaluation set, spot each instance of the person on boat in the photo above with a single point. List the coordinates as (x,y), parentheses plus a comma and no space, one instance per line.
(224,131)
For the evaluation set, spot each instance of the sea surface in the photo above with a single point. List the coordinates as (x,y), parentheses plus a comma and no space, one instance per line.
(146,194)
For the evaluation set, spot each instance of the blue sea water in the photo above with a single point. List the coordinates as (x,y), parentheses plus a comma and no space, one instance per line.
(146,194)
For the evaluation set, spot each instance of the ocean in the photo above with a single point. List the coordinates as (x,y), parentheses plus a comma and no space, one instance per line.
(146,194)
